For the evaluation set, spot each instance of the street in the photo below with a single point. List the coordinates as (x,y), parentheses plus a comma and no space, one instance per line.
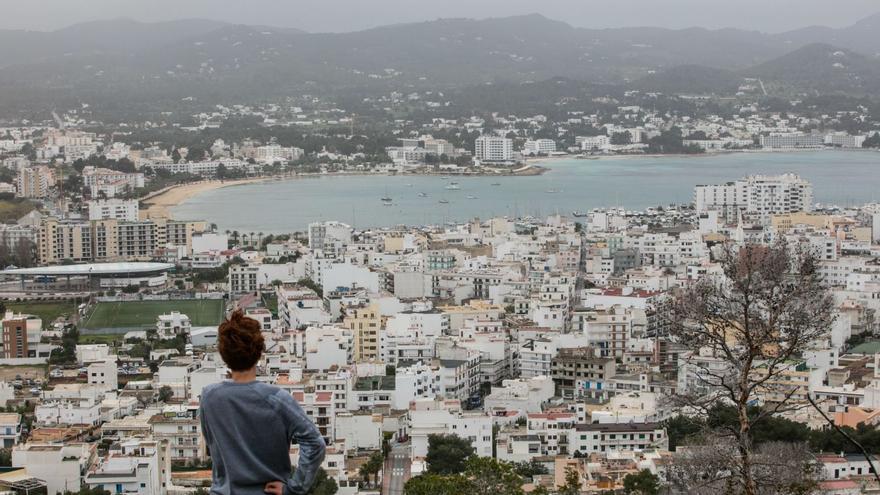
(397,470)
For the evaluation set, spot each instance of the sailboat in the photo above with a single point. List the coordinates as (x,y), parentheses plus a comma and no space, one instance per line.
(386,200)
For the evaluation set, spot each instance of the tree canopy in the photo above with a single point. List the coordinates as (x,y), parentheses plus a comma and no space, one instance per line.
(447,454)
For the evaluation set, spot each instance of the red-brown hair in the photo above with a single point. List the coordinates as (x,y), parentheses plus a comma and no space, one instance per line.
(240,342)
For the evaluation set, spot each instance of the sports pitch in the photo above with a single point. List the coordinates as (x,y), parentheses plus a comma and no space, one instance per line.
(143,314)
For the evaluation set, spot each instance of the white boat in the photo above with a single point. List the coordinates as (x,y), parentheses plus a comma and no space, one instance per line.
(471,197)
(453,186)
(423,195)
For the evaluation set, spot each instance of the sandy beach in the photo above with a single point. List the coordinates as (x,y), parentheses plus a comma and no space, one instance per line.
(158,203)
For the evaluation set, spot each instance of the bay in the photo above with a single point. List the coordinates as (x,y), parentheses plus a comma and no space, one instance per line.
(843,178)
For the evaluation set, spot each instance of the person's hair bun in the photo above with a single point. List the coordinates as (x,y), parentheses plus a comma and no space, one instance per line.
(240,341)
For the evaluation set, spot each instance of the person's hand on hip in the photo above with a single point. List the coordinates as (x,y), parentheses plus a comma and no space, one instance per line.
(274,488)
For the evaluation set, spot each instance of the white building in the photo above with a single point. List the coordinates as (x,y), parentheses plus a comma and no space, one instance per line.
(103,374)
(110,182)
(759,196)
(404,155)
(792,140)
(359,430)
(272,153)
(589,143)
(445,417)
(417,381)
(59,465)
(329,237)
(92,353)
(173,324)
(68,412)
(206,242)
(618,437)
(493,149)
(132,469)
(524,395)
(345,275)
(844,140)
(113,209)
(244,278)
(328,346)
(534,147)
(180,430)
(10,429)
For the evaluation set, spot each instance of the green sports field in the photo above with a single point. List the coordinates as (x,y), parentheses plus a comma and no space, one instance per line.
(48,311)
(143,314)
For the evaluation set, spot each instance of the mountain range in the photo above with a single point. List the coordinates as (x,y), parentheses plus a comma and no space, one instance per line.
(203,58)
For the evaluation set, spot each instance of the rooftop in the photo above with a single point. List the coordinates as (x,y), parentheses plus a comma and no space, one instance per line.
(92,269)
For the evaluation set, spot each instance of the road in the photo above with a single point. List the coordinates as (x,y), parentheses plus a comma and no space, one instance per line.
(397,470)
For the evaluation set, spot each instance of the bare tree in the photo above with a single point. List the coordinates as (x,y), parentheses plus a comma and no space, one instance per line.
(743,330)
(5,256)
(704,467)
(25,251)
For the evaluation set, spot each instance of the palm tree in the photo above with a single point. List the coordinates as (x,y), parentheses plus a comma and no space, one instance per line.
(260,240)
(235,235)
(252,238)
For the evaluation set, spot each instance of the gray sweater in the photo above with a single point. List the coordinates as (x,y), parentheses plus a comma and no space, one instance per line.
(249,428)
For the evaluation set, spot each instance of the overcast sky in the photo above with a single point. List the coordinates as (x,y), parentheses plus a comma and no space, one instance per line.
(348,15)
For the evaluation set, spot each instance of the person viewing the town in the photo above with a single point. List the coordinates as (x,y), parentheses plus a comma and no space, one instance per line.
(249,425)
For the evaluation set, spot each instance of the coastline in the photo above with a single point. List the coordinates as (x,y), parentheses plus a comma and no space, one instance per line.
(158,203)
(630,156)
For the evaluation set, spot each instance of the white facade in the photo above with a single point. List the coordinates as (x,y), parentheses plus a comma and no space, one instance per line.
(589,143)
(417,381)
(104,374)
(113,209)
(349,276)
(10,429)
(58,465)
(92,353)
(329,237)
(524,395)
(534,147)
(493,149)
(134,469)
(328,346)
(430,417)
(792,140)
(209,241)
(359,431)
(173,324)
(758,195)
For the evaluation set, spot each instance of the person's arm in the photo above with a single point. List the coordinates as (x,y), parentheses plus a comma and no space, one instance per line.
(207,434)
(311,446)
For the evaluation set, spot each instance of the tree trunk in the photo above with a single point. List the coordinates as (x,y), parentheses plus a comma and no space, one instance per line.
(745,450)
